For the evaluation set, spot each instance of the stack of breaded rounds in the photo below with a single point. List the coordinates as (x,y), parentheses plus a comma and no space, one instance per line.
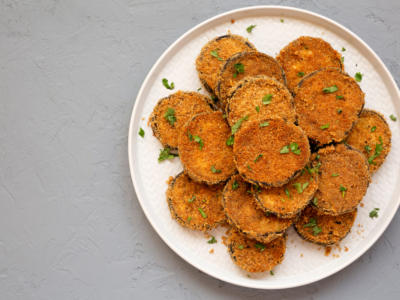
(282,141)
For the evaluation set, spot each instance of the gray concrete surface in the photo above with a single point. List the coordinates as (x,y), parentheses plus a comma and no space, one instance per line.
(70,223)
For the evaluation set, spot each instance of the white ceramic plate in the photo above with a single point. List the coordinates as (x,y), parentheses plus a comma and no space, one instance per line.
(304,262)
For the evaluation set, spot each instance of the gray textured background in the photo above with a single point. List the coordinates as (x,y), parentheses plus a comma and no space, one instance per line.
(70,223)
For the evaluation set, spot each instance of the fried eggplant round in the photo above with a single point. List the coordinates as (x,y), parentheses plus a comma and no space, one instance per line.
(371,135)
(242,212)
(214,54)
(246,64)
(195,205)
(306,55)
(322,229)
(343,179)
(253,256)
(270,153)
(171,114)
(203,150)
(328,104)
(287,201)
(260,98)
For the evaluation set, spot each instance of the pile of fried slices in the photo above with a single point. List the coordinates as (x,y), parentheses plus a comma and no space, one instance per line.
(281,141)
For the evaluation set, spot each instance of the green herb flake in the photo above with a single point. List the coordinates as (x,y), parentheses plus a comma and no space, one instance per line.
(294,147)
(315,201)
(284,150)
(214,170)
(250,28)
(198,140)
(203,214)
(237,125)
(305,185)
(358,77)
(212,240)
(141,132)
(316,230)
(298,187)
(257,108)
(235,185)
(311,223)
(215,54)
(199,89)
(393,118)
(339,111)
(259,246)
(224,116)
(287,193)
(271,273)
(248,167)
(373,213)
(335,175)
(378,150)
(192,199)
(239,68)
(166,154)
(373,128)
(264,124)
(343,190)
(342,59)
(230,140)
(170,116)
(258,157)
(300,74)
(330,89)
(189,219)
(339,97)
(282,20)
(367,148)
(190,136)
(241,247)
(325,126)
(267,99)
(317,157)
(167,85)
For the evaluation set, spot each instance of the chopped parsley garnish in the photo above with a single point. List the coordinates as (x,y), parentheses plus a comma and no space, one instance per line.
(167,85)
(378,150)
(259,246)
(229,141)
(339,97)
(192,199)
(264,124)
(300,187)
(170,116)
(258,157)
(190,136)
(257,108)
(212,240)
(198,140)
(267,99)
(199,89)
(282,20)
(239,68)
(300,74)
(294,147)
(250,28)
(325,126)
(141,132)
(339,111)
(374,213)
(342,59)
(287,193)
(343,190)
(203,214)
(215,54)
(237,125)
(367,148)
(272,273)
(330,89)
(335,174)
(393,118)
(166,154)
(284,150)
(313,224)
(241,247)
(189,219)
(373,128)
(214,170)
(235,185)
(343,49)
(358,77)
(248,167)
(224,116)
(315,201)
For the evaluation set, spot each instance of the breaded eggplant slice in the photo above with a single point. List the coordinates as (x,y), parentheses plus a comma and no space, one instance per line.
(195,205)
(214,54)
(246,64)
(322,229)
(203,150)
(270,153)
(260,98)
(371,135)
(343,179)
(287,201)
(171,114)
(242,212)
(306,55)
(253,256)
(328,104)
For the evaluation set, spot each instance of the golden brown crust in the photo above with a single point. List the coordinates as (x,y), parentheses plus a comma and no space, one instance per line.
(370,131)
(247,99)
(195,205)
(242,212)
(254,63)
(253,256)
(344,179)
(185,106)
(209,66)
(287,201)
(330,229)
(324,117)
(306,55)
(203,150)
(273,168)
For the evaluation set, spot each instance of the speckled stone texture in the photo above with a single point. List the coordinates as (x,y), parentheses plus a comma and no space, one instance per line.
(70,223)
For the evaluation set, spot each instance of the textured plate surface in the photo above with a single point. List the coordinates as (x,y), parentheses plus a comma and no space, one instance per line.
(304,262)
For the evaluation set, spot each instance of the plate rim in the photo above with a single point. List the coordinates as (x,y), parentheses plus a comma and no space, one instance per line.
(255,283)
